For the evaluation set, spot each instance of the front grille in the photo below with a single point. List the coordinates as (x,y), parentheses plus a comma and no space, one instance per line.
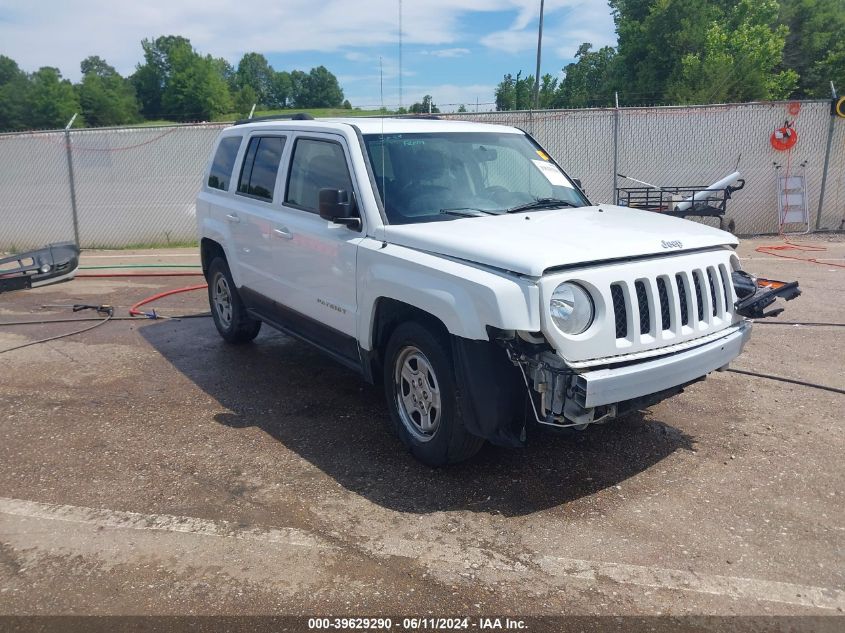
(682,294)
(619,312)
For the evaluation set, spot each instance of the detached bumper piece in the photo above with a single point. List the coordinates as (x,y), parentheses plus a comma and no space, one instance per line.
(755,295)
(48,265)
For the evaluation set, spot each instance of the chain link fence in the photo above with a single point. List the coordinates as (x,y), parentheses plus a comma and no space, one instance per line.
(120,187)
(698,145)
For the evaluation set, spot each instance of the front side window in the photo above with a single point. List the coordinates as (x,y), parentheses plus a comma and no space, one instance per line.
(441,176)
(316,164)
(220,174)
(260,167)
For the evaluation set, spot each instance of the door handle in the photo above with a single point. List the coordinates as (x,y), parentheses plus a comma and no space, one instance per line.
(231,217)
(284,233)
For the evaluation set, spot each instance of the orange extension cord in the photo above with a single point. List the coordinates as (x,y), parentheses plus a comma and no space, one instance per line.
(775,251)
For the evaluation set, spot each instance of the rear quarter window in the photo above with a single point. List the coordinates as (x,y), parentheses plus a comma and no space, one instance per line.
(220,175)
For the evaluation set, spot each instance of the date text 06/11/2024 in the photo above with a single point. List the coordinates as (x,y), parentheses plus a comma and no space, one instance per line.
(417,624)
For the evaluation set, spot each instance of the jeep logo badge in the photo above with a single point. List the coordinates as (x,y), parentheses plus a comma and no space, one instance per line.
(672,244)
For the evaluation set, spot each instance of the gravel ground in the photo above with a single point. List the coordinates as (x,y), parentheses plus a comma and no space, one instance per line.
(148,468)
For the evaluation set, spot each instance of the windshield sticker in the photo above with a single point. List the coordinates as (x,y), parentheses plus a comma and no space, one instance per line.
(552,174)
(542,155)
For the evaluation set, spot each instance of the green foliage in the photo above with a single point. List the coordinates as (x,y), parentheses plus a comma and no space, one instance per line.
(462,108)
(151,77)
(281,90)
(589,81)
(105,97)
(244,99)
(815,45)
(52,100)
(737,60)
(255,72)
(517,93)
(427,106)
(194,90)
(14,96)
(322,89)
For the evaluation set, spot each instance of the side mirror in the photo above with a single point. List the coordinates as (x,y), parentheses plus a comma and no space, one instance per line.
(338,206)
(577,182)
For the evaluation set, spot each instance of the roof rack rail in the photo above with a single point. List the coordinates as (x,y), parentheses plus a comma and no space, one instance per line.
(432,117)
(299,116)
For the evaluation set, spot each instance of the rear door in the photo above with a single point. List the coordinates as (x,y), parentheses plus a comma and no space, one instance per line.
(255,209)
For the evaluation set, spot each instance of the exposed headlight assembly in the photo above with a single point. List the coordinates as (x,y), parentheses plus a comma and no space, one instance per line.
(571,308)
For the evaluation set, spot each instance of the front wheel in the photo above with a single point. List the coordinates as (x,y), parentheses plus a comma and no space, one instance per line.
(419,382)
(228,311)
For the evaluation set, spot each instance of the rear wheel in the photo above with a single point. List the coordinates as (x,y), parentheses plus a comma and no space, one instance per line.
(230,316)
(419,381)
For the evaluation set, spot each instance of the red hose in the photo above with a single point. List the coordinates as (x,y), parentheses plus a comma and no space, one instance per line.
(167,274)
(772,249)
(133,311)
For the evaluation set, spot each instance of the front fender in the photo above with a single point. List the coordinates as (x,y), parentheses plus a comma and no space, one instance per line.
(464,297)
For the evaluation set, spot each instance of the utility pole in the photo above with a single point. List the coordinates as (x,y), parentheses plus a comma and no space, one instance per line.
(400,53)
(539,49)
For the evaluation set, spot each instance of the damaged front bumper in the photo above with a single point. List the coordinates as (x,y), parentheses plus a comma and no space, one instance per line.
(562,397)
(48,265)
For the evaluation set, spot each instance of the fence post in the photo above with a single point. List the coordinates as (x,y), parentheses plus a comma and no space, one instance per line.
(615,148)
(69,152)
(826,158)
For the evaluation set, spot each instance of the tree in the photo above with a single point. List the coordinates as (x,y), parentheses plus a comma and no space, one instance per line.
(425,107)
(462,108)
(814,44)
(14,96)
(738,60)
(323,89)
(105,97)
(589,81)
(516,93)
(244,100)
(299,96)
(281,90)
(194,89)
(255,72)
(151,77)
(52,101)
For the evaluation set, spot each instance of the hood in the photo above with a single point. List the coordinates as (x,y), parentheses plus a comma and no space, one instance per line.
(531,242)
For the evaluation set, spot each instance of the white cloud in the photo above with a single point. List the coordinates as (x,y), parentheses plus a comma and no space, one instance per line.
(567,24)
(447,52)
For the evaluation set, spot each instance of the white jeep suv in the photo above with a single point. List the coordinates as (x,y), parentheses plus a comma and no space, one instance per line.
(459,265)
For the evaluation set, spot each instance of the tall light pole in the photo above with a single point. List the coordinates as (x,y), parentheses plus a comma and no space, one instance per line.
(400,54)
(539,49)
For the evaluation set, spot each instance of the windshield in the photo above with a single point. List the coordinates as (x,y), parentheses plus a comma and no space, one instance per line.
(449,175)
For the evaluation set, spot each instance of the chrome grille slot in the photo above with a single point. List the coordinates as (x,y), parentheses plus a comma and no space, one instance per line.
(642,303)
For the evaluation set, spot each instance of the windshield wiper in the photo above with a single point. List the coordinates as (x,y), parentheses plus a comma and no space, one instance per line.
(460,211)
(542,203)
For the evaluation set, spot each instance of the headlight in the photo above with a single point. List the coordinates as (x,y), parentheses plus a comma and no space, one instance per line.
(571,308)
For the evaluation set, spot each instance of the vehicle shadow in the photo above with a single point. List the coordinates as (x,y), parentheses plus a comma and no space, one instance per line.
(331,418)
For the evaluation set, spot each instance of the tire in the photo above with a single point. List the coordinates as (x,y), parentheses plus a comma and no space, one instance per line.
(230,316)
(425,416)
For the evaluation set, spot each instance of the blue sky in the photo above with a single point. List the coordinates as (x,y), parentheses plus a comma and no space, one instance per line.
(455,50)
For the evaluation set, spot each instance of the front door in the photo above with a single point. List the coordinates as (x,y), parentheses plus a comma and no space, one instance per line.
(316,262)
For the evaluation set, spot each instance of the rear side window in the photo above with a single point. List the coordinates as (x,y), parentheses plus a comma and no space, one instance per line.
(261,164)
(315,165)
(220,175)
